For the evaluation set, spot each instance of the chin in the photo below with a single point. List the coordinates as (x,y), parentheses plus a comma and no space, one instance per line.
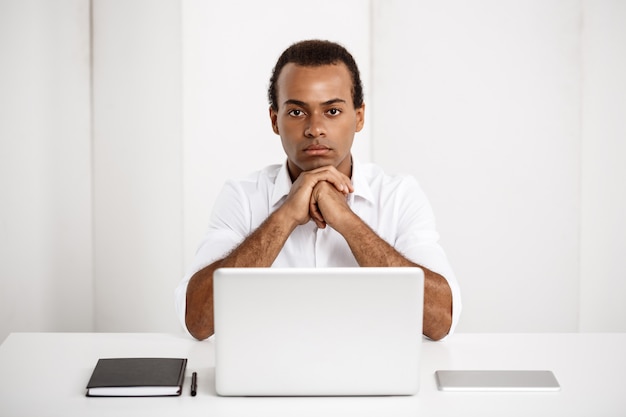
(318,163)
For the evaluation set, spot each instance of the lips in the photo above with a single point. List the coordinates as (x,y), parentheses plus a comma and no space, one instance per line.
(316,149)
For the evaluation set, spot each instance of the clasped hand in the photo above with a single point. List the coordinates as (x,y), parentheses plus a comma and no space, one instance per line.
(319,195)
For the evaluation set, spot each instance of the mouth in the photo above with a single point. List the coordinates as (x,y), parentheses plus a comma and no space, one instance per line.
(314,150)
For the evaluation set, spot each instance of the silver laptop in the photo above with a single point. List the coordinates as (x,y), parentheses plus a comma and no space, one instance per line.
(317,331)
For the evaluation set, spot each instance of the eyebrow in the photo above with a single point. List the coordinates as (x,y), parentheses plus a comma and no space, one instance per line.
(303,104)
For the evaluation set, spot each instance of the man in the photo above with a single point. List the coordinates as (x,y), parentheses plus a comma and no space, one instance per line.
(321,208)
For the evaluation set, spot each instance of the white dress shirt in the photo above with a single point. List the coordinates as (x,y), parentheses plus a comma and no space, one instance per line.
(395,207)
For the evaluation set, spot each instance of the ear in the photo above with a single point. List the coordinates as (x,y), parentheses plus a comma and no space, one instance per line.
(274,120)
(360,117)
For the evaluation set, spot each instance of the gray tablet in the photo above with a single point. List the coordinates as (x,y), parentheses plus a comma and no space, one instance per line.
(500,380)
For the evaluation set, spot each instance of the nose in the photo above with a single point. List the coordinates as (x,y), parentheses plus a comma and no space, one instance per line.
(315,126)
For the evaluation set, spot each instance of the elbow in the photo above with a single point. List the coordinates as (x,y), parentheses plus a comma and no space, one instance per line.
(439,330)
(199,318)
(437,320)
(198,329)
(199,304)
(200,336)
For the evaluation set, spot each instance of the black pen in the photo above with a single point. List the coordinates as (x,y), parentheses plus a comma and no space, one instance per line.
(194,383)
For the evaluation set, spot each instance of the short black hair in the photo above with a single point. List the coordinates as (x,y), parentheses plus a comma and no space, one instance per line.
(314,53)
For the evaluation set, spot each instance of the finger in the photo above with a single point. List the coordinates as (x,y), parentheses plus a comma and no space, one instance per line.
(331,175)
(316,215)
(321,225)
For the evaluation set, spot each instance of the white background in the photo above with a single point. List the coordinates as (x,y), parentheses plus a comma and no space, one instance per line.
(120,120)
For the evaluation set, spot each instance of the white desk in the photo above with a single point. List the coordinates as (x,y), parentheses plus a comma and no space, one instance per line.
(44,374)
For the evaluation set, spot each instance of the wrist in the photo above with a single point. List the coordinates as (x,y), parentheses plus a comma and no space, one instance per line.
(283,218)
(347,223)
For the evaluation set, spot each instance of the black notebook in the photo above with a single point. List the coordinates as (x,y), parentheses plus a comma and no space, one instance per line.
(137,377)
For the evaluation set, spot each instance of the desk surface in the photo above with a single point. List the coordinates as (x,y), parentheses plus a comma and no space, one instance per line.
(44,374)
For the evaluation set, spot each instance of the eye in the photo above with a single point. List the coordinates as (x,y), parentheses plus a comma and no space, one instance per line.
(334,111)
(295,113)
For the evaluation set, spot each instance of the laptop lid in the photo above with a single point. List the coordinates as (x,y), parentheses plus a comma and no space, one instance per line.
(317,331)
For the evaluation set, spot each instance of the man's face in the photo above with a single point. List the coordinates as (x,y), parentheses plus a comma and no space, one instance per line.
(316,118)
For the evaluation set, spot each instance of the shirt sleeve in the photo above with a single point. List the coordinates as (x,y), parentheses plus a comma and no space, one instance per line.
(228,225)
(418,239)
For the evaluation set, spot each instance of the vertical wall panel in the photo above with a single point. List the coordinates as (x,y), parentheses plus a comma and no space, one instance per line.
(481,102)
(45,167)
(137,163)
(603,277)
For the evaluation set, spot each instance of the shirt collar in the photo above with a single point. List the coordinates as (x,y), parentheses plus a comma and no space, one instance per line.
(362,187)
(359,181)
(281,186)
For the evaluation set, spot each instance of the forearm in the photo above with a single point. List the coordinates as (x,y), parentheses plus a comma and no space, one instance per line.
(371,250)
(262,246)
(260,249)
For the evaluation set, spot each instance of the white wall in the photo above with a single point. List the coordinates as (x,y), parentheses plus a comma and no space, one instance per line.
(487,118)
(509,113)
(137,163)
(45,167)
(603,221)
